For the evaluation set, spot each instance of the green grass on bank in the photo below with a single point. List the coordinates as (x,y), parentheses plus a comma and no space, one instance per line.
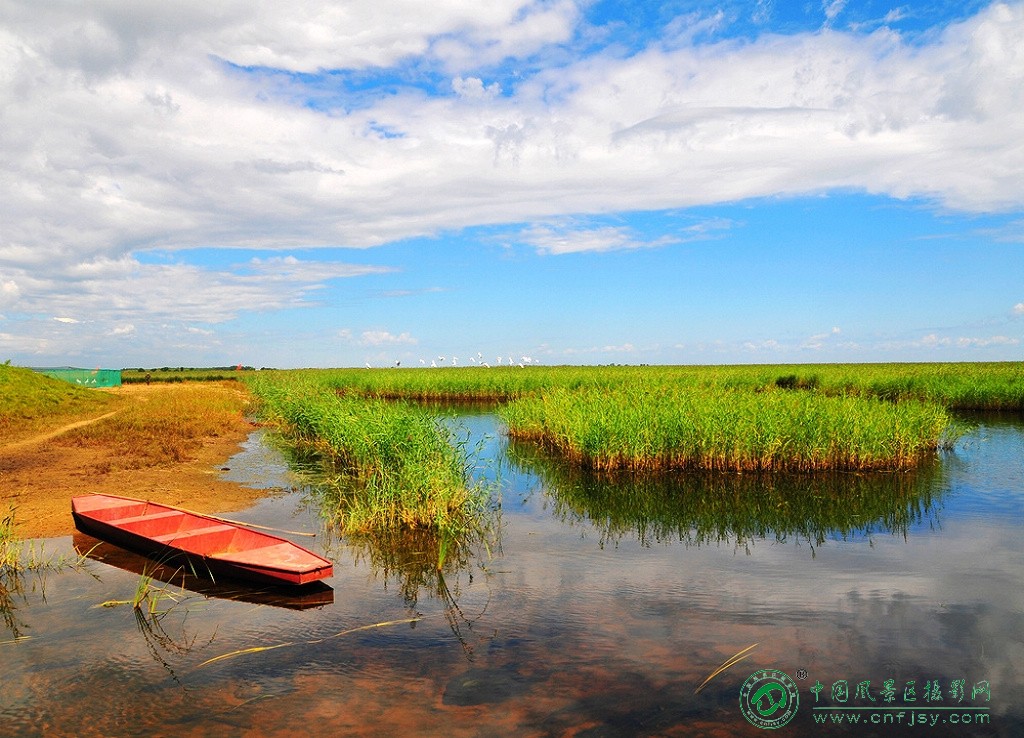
(31,402)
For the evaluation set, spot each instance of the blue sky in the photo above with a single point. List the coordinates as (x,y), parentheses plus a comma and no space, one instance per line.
(574,182)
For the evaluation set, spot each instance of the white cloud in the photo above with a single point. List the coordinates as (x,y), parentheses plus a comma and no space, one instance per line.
(106,290)
(596,351)
(762,11)
(385,338)
(126,329)
(767,345)
(574,235)
(125,132)
(934,341)
(473,88)
(9,292)
(1018,309)
(559,240)
(136,137)
(140,138)
(819,340)
(987,341)
(290,269)
(832,8)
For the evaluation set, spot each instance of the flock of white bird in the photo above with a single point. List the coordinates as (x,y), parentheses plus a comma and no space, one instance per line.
(477,360)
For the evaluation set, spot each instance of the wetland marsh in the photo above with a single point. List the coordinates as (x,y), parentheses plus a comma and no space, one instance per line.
(596,604)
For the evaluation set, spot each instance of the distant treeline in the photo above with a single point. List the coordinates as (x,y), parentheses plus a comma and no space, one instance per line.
(184,373)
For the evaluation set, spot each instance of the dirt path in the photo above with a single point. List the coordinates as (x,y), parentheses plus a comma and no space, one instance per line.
(8,448)
(40,475)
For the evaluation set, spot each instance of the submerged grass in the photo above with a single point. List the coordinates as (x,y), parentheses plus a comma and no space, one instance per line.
(349,631)
(21,560)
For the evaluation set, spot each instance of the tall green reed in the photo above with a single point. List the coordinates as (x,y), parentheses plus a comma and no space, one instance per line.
(653,428)
(391,464)
(964,386)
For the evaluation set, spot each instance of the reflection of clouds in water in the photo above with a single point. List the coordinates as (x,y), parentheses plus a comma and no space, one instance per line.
(918,610)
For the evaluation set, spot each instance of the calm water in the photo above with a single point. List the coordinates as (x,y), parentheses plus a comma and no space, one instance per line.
(601,607)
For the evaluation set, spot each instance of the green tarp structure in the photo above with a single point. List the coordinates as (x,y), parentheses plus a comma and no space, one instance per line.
(85,377)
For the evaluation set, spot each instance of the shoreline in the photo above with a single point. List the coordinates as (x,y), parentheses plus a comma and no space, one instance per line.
(40,475)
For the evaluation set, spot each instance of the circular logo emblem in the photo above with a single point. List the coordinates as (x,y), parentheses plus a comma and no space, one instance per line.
(769,698)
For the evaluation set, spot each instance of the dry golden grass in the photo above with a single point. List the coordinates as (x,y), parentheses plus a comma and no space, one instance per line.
(165,425)
(163,443)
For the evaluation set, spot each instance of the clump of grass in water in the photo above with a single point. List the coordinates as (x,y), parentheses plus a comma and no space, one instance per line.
(18,559)
(147,597)
(18,556)
(717,429)
(392,465)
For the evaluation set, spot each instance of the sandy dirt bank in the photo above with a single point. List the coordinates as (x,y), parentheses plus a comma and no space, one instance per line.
(40,475)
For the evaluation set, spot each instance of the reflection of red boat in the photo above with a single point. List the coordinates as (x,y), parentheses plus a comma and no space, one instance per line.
(317,594)
(209,546)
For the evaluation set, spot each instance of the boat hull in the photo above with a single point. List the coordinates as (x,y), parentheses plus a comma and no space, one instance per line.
(208,547)
(307,596)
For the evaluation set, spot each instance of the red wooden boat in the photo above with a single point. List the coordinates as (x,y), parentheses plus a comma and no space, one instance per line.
(210,547)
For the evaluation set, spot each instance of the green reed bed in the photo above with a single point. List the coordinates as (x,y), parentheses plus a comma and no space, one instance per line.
(735,418)
(395,466)
(493,384)
(717,429)
(958,386)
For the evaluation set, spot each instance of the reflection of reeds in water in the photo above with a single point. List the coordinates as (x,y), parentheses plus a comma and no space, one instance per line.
(711,508)
(426,563)
(414,559)
(12,589)
(158,619)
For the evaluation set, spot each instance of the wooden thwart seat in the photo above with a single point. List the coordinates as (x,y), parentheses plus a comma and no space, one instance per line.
(185,534)
(157,515)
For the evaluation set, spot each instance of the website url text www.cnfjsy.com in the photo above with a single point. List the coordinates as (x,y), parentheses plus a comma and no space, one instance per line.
(919,718)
